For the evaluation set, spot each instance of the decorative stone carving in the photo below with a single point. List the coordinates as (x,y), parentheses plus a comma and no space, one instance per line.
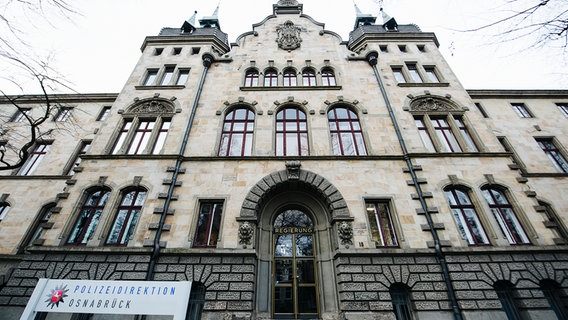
(246,231)
(430,104)
(293,169)
(287,3)
(288,35)
(345,231)
(152,106)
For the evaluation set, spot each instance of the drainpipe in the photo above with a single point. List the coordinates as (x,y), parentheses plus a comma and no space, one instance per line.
(207,60)
(372,59)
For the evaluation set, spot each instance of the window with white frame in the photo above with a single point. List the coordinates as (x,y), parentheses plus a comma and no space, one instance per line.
(414,73)
(505,215)
(381,223)
(431,74)
(144,128)
(35,157)
(549,147)
(445,133)
(167,76)
(521,110)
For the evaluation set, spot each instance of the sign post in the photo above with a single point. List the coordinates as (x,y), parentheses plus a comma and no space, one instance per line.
(109,297)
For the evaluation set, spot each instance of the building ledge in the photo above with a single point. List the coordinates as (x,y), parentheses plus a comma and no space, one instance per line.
(291,88)
(423,84)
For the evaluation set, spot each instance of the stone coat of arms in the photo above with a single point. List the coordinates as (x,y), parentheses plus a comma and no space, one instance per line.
(288,36)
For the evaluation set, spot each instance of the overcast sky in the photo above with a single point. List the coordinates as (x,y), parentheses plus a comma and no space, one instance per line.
(98,49)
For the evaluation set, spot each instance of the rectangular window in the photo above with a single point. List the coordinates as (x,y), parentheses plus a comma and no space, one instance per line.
(208,224)
(381,223)
(20,114)
(161,137)
(563,107)
(34,159)
(431,74)
(384,49)
(402,48)
(141,137)
(183,75)
(83,149)
(177,51)
(445,135)
(122,136)
(168,75)
(521,110)
(421,47)
(414,74)
(103,115)
(481,109)
(151,76)
(158,51)
(558,160)
(398,75)
(466,136)
(63,114)
(424,135)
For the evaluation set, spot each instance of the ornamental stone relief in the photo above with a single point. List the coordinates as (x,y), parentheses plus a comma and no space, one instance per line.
(288,36)
(430,104)
(246,231)
(287,3)
(152,106)
(345,231)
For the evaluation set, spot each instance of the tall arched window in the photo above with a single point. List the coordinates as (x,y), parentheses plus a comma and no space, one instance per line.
(270,78)
(400,296)
(505,215)
(89,216)
(237,135)
(505,293)
(346,133)
(328,77)
(291,132)
(289,77)
(251,78)
(466,217)
(552,292)
(127,216)
(308,77)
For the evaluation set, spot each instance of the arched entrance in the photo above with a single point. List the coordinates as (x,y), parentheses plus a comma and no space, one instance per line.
(294,285)
(308,195)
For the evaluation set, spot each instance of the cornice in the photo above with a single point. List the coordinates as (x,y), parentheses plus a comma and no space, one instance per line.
(506,93)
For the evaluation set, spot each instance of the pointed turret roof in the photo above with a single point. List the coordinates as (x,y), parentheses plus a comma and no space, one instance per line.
(211,21)
(362,19)
(189,25)
(389,23)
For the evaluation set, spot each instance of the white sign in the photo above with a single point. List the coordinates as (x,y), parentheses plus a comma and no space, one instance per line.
(110,297)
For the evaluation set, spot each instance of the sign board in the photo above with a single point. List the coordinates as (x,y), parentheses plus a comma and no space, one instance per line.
(109,297)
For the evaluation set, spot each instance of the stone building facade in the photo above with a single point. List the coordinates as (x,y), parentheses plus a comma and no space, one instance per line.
(296,175)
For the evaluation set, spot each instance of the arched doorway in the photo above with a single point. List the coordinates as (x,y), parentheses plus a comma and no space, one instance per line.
(294,285)
(295,190)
